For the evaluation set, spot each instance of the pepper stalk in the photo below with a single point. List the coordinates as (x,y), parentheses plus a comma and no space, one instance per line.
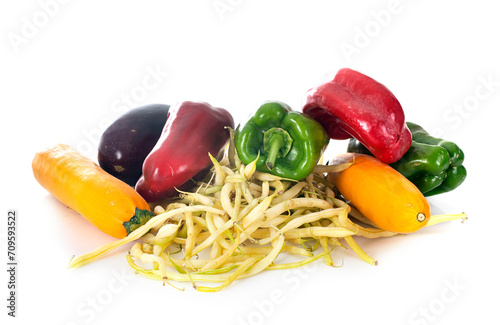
(277,144)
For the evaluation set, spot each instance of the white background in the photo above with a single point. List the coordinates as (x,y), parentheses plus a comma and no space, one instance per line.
(69,68)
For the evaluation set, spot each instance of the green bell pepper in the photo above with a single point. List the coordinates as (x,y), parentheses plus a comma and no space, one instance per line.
(287,143)
(434,165)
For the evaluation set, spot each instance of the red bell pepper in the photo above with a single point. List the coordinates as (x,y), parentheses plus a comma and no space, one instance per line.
(192,130)
(355,105)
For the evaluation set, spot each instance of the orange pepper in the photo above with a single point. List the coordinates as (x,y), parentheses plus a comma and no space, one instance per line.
(107,202)
(381,194)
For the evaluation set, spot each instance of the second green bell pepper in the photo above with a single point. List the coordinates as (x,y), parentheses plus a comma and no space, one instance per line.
(287,143)
(434,165)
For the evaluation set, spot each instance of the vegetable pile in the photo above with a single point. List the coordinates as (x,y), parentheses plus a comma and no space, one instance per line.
(243,220)
(205,211)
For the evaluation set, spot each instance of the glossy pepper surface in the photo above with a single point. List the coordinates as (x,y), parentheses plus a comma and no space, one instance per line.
(434,165)
(192,131)
(355,105)
(288,143)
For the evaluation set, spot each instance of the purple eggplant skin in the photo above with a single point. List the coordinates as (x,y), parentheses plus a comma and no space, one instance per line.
(125,144)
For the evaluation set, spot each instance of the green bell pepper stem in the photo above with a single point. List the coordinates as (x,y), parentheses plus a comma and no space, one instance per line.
(277,144)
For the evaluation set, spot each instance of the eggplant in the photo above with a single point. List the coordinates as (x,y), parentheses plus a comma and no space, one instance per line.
(125,144)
